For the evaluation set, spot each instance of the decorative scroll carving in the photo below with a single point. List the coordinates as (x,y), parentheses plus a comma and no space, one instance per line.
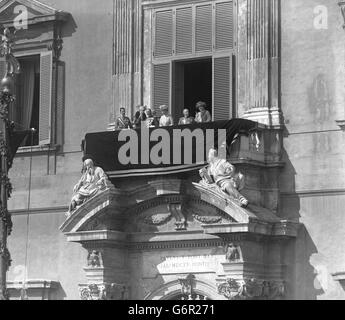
(103,292)
(207,220)
(95,259)
(158,219)
(232,252)
(251,289)
(56,47)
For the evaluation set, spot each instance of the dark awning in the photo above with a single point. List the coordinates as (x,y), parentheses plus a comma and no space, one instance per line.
(104,147)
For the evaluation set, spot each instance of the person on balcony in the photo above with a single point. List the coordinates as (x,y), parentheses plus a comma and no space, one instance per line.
(151,120)
(123,122)
(92,181)
(166,119)
(186,119)
(140,117)
(203,115)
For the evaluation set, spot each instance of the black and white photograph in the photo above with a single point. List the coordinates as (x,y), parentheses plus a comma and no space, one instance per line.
(172,150)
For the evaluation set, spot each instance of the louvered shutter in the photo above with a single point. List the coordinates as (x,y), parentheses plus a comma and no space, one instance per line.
(161,85)
(184,30)
(222,88)
(46,68)
(2,67)
(163,33)
(224,25)
(203,28)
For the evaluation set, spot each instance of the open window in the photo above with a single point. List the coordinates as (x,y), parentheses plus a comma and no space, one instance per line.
(193,50)
(33,92)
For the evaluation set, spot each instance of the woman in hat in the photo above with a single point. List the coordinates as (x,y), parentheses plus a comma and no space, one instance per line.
(166,119)
(93,179)
(203,115)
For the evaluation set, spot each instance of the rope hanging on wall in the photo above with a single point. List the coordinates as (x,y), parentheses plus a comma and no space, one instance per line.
(23,292)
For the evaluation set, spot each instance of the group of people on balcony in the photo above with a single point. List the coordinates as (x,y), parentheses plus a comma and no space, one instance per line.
(147,117)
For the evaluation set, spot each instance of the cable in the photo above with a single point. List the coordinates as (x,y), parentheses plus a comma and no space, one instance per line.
(23,294)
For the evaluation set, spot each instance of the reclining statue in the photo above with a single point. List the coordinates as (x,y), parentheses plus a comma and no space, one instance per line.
(222,173)
(92,181)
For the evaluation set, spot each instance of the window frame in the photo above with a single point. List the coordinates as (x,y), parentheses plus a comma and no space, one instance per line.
(195,55)
(48,143)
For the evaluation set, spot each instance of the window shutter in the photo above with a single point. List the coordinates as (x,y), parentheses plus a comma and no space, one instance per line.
(2,67)
(161,85)
(46,69)
(184,30)
(163,33)
(224,25)
(203,28)
(222,88)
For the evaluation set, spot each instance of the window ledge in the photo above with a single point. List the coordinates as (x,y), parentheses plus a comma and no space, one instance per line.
(36,149)
(339,276)
(33,284)
(341,124)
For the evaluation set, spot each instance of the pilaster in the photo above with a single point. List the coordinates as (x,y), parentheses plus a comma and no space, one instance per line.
(127,32)
(261,96)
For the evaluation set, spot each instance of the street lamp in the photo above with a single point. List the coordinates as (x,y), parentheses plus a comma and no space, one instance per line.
(6,98)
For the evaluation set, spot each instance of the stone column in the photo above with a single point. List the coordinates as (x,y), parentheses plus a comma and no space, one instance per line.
(127,43)
(261,78)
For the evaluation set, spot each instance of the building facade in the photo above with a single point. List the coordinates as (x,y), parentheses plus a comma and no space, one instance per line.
(162,235)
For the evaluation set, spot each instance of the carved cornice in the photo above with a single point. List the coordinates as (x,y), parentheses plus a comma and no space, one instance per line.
(251,289)
(104,291)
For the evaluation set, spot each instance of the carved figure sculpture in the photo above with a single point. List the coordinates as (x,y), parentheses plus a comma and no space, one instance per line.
(92,181)
(232,253)
(94,259)
(223,174)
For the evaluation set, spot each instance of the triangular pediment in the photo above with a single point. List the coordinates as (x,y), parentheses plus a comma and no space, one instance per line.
(10,9)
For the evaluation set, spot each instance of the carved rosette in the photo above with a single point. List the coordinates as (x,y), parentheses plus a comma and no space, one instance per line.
(251,289)
(103,291)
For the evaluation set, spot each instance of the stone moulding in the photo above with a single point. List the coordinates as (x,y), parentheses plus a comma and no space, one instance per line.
(233,289)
